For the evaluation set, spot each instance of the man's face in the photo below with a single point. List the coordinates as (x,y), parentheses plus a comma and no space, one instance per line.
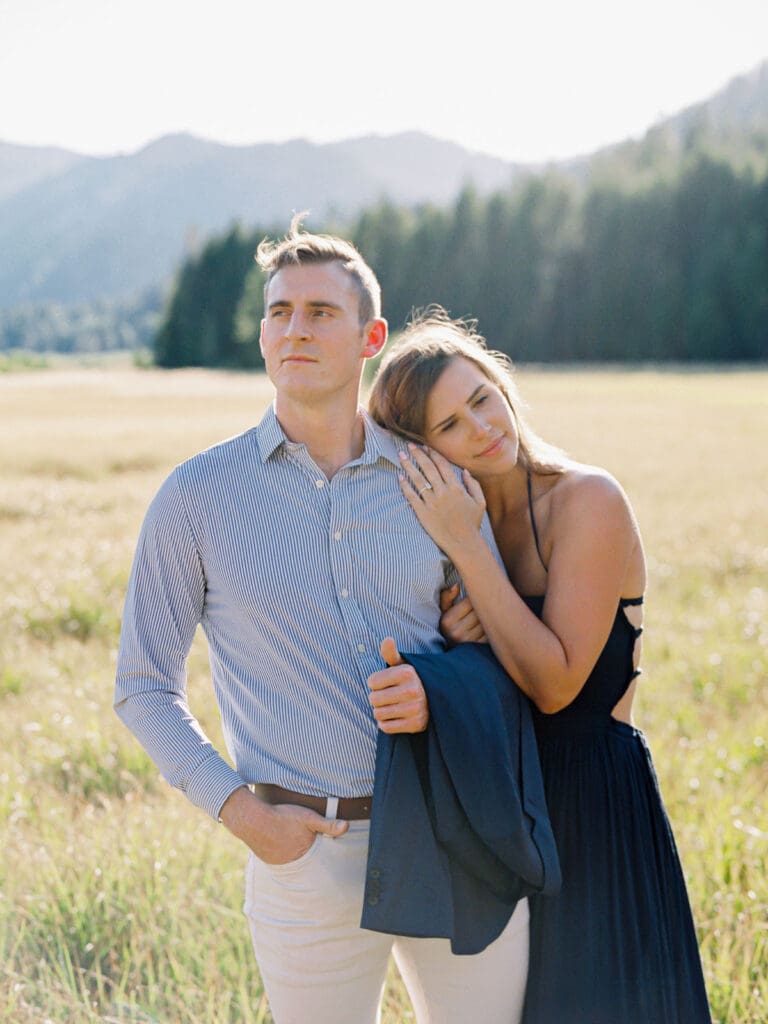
(311,338)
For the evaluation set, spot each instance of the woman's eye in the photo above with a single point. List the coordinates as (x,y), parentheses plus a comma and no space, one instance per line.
(480,399)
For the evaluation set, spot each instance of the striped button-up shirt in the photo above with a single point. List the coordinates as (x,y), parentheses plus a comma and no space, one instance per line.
(295,580)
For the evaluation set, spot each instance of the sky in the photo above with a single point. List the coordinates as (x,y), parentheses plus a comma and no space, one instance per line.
(529,82)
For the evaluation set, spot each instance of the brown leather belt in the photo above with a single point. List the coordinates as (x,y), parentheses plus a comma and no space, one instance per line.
(351,808)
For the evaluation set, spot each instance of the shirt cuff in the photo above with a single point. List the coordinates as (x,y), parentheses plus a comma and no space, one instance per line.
(212,783)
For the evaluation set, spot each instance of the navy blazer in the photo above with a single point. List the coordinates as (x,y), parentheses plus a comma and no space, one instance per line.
(459,824)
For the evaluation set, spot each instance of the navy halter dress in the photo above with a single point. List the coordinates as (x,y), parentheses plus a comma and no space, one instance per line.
(617,945)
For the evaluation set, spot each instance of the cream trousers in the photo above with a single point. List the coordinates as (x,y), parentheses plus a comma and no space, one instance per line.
(320,967)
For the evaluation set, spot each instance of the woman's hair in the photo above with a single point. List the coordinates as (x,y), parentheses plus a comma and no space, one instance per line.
(398,398)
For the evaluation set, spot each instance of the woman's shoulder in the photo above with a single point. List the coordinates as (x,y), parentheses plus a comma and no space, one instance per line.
(582,489)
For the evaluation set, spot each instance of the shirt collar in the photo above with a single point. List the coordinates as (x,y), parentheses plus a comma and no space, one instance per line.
(379,443)
(269,434)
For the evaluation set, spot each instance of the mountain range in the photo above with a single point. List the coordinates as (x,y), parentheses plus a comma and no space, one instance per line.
(75,228)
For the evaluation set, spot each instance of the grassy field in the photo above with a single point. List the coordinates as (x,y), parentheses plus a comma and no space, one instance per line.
(119,901)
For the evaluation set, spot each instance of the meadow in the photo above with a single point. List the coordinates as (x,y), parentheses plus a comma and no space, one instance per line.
(119,901)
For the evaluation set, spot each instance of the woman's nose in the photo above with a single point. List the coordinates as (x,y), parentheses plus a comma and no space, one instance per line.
(479,425)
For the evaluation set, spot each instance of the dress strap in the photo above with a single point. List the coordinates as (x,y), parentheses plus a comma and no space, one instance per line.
(533,521)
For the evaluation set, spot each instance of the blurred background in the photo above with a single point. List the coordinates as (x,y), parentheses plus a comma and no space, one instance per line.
(590,181)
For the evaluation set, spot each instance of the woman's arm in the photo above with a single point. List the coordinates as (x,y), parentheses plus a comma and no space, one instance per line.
(592,535)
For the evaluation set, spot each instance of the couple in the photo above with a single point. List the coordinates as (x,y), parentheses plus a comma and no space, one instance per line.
(317,546)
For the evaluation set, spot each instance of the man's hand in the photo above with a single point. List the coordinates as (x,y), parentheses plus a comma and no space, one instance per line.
(397,695)
(276,834)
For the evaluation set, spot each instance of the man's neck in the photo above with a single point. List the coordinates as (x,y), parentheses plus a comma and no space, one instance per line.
(334,435)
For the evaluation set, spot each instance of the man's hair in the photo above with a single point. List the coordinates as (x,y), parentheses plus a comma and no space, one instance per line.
(300,247)
(398,399)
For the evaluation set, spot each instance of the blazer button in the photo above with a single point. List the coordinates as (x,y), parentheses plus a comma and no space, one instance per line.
(373,900)
(374,873)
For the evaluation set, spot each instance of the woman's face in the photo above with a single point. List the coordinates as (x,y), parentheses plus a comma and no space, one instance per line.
(469,421)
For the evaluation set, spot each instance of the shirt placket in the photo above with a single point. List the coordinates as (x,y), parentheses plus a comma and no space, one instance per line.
(341,537)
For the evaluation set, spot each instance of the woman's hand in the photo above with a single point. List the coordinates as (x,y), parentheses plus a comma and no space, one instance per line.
(459,623)
(449,512)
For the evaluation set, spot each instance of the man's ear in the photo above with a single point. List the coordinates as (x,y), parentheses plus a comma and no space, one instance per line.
(375,337)
(261,339)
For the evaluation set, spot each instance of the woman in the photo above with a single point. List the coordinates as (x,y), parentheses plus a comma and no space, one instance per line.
(562,610)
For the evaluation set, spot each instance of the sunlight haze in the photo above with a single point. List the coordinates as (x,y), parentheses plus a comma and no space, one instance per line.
(543,81)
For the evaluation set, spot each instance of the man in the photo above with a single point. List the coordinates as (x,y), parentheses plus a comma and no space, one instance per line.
(294,548)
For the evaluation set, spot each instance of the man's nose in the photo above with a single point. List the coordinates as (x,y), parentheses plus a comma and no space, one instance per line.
(298,326)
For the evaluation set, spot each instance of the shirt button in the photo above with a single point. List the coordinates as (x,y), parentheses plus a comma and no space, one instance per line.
(361,648)
(319,483)
(337,535)
(345,593)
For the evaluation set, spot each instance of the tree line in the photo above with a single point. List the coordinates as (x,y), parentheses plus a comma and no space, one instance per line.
(105,326)
(625,270)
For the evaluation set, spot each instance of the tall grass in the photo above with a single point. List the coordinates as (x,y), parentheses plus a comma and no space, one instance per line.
(119,901)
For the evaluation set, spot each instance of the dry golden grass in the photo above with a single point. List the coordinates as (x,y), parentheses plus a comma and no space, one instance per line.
(121,902)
